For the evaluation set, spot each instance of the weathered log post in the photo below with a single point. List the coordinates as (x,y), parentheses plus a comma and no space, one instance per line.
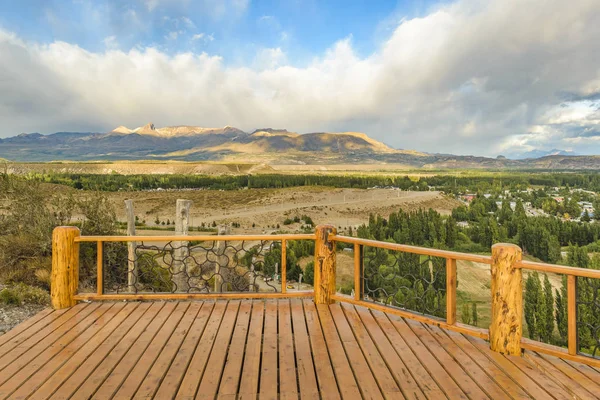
(132,270)
(181,251)
(325,259)
(65,266)
(506,327)
(222,260)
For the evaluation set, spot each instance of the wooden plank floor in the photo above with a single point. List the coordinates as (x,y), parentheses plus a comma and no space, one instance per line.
(266,349)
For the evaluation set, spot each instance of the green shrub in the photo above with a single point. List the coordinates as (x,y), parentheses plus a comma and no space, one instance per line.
(22,293)
(10,297)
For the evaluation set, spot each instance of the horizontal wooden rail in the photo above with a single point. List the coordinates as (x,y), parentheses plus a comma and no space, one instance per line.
(175,238)
(454,255)
(559,269)
(191,296)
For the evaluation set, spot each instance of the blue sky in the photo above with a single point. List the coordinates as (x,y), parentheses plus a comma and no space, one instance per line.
(234,30)
(482,77)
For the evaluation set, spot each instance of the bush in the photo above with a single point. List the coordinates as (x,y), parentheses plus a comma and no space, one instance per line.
(22,293)
(10,297)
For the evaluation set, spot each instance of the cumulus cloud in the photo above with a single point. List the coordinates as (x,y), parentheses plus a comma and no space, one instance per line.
(470,77)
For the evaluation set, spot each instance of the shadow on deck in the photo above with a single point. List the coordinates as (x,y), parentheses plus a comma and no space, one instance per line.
(265,349)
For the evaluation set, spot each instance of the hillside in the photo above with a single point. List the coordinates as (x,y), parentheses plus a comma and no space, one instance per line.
(263,146)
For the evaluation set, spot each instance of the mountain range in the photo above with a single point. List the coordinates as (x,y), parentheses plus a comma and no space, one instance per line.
(267,145)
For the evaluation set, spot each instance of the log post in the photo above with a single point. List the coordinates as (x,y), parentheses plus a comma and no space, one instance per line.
(324,280)
(181,251)
(222,261)
(65,266)
(506,327)
(132,271)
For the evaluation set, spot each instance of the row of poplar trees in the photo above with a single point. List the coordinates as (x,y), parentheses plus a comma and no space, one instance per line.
(546,309)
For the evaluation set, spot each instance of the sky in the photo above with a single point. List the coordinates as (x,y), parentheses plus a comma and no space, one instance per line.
(479,77)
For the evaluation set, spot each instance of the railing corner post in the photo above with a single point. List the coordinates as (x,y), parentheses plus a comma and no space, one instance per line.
(65,266)
(506,327)
(325,264)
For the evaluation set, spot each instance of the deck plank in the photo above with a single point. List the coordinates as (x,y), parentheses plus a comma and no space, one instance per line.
(73,388)
(31,323)
(323,365)
(209,386)
(83,370)
(529,385)
(495,372)
(251,368)
(176,372)
(456,370)
(435,369)
(341,366)
(553,387)
(118,375)
(382,374)
(268,372)
(55,372)
(575,383)
(18,345)
(367,382)
(586,370)
(467,364)
(31,360)
(267,349)
(307,380)
(428,385)
(287,359)
(404,379)
(155,375)
(235,356)
(151,354)
(195,371)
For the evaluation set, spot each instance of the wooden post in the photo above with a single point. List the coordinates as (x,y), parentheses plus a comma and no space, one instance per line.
(357,273)
(65,266)
(283,266)
(181,251)
(450,291)
(506,327)
(132,272)
(572,314)
(324,264)
(222,259)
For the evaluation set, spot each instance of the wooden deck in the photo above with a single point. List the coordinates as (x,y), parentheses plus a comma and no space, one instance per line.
(271,349)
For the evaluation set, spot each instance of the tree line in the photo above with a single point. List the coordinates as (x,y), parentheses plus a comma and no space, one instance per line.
(495,183)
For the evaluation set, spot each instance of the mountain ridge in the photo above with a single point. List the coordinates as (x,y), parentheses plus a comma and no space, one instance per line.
(264,145)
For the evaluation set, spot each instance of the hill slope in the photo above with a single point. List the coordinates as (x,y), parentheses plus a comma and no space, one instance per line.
(265,146)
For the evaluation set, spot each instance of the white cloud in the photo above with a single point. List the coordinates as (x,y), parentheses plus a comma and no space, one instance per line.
(469,77)
(110,42)
(188,22)
(270,58)
(173,35)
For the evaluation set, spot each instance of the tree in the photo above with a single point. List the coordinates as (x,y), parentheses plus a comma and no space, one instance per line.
(585,217)
(309,273)
(561,312)
(549,309)
(465,315)
(474,310)
(532,304)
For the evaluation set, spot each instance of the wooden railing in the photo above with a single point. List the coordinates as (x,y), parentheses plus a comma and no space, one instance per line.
(504,333)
